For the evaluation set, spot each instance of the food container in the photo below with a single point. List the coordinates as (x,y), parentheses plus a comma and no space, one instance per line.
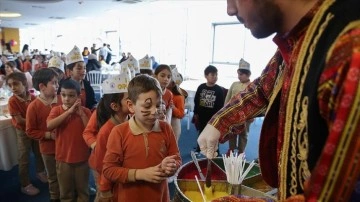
(186,185)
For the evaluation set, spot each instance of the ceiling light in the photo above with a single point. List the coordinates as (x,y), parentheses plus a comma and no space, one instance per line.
(9,15)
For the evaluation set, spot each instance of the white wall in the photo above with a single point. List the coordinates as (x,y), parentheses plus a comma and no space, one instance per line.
(175,32)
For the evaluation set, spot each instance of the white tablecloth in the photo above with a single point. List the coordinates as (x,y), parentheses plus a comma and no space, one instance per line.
(8,145)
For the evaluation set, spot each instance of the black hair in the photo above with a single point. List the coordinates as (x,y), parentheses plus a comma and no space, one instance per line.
(162,67)
(147,71)
(210,69)
(143,83)
(71,85)
(244,71)
(104,110)
(18,76)
(43,76)
(71,66)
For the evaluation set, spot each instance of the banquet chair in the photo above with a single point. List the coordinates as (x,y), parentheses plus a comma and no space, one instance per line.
(189,107)
(94,77)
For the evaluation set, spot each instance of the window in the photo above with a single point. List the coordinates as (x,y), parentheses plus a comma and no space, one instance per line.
(228,43)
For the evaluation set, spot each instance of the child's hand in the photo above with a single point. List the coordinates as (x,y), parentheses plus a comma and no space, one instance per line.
(53,134)
(151,174)
(75,106)
(168,165)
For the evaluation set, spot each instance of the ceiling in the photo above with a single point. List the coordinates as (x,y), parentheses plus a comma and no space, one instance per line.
(38,12)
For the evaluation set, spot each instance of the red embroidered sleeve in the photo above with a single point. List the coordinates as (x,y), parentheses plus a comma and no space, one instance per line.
(338,167)
(247,105)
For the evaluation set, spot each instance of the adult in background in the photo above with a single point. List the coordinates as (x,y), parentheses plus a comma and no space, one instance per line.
(310,90)
(93,63)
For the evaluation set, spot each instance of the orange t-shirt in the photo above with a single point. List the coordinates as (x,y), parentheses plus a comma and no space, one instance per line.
(18,106)
(70,145)
(167,97)
(27,66)
(91,130)
(97,155)
(131,148)
(178,111)
(36,127)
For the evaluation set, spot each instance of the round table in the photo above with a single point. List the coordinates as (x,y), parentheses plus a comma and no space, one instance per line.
(8,144)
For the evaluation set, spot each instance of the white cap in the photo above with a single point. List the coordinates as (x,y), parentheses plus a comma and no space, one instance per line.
(132,64)
(116,84)
(74,56)
(56,61)
(145,63)
(244,65)
(92,57)
(176,76)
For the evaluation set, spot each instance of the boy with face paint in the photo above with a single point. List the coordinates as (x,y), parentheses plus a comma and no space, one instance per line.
(142,152)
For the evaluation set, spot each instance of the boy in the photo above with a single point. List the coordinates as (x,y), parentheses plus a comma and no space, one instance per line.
(72,153)
(244,80)
(45,81)
(18,104)
(76,66)
(209,98)
(142,152)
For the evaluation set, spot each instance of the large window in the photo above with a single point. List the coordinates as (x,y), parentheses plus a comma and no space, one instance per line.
(228,43)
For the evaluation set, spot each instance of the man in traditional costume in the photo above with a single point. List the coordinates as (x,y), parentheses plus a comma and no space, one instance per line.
(310,93)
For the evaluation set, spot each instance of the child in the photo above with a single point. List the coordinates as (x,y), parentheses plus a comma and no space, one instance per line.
(209,98)
(18,104)
(57,65)
(178,107)
(45,81)
(111,111)
(142,152)
(163,75)
(243,76)
(77,70)
(72,153)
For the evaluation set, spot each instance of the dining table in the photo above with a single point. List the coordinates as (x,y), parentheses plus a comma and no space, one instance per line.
(8,141)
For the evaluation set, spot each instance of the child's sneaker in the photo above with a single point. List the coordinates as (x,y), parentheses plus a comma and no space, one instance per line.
(30,190)
(42,177)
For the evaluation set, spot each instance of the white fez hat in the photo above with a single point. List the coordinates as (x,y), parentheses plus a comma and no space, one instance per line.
(145,63)
(244,65)
(74,56)
(56,61)
(116,84)
(176,76)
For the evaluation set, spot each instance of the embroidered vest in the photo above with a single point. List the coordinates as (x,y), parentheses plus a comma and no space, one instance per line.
(305,130)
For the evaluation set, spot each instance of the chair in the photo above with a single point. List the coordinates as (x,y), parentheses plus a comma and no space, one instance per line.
(94,77)
(189,107)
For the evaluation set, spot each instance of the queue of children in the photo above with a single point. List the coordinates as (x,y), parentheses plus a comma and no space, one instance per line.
(129,141)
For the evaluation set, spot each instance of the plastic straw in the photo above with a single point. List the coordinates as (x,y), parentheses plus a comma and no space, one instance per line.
(201,192)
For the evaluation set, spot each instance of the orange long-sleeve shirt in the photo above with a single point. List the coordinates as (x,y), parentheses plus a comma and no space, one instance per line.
(18,106)
(70,145)
(36,114)
(178,111)
(130,148)
(97,155)
(167,97)
(91,130)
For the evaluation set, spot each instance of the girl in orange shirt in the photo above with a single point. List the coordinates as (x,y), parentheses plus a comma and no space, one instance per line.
(163,75)
(178,108)
(111,111)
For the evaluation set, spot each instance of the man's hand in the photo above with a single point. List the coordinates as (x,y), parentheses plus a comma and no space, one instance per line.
(208,141)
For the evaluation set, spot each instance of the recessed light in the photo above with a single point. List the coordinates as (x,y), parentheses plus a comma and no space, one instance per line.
(9,15)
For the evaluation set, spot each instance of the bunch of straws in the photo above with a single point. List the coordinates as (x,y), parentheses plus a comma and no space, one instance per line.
(235,167)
